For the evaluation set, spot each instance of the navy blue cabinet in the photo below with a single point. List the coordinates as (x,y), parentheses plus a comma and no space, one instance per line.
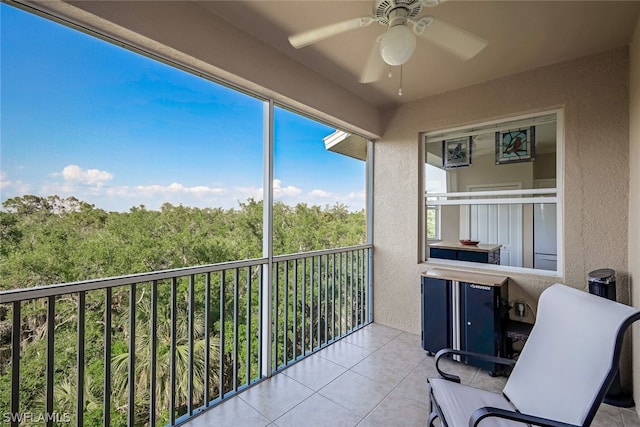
(464,311)
(487,254)
(436,314)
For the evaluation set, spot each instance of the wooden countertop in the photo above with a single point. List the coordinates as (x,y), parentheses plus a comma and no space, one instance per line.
(489,247)
(467,276)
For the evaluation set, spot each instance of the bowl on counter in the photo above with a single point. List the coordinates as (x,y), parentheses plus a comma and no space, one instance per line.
(468,242)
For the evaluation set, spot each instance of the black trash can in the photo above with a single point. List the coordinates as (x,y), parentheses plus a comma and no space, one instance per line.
(602,282)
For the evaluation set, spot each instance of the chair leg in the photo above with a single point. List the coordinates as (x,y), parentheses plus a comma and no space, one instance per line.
(432,417)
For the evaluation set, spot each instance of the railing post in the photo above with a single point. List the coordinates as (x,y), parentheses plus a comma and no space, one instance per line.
(80,361)
(107,359)
(190,323)
(207,337)
(153,353)
(131,400)
(51,322)
(16,335)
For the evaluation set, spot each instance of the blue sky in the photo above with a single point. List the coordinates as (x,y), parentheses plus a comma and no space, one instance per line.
(81,117)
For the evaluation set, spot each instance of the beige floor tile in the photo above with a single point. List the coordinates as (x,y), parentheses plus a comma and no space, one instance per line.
(314,372)
(415,385)
(408,351)
(630,417)
(383,330)
(275,396)
(377,377)
(387,367)
(355,392)
(608,416)
(370,339)
(318,411)
(235,412)
(397,411)
(344,354)
(410,339)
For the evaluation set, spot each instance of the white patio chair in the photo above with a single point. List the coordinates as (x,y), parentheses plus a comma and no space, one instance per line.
(561,376)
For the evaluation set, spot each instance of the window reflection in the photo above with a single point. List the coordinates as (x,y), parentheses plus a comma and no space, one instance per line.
(466,200)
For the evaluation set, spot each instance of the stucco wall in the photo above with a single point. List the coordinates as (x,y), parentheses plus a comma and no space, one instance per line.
(594,93)
(634,198)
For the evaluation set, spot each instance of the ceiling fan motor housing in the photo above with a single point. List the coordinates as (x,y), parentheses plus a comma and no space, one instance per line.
(385,11)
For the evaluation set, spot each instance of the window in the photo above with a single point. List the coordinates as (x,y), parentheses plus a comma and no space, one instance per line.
(435,183)
(172,159)
(318,204)
(494,186)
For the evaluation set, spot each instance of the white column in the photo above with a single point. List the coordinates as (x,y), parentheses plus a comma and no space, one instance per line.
(267,242)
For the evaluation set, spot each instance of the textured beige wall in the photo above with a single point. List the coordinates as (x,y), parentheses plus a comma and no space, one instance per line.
(211,45)
(634,199)
(594,94)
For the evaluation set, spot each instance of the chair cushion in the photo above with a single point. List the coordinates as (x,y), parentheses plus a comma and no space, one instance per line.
(457,402)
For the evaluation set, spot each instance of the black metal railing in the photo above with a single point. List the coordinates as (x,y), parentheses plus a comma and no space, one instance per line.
(173,343)
(329,290)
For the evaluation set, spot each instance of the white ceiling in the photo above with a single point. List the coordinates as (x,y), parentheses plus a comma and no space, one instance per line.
(522,35)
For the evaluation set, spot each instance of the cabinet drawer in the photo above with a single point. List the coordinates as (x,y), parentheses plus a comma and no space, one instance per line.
(443,253)
(473,256)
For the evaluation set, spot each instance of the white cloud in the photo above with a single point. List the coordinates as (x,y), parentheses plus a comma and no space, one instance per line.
(319,193)
(280,191)
(171,189)
(11,188)
(361,195)
(95,177)
(293,195)
(93,186)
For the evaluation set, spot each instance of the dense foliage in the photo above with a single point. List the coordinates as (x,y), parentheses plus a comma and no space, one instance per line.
(54,240)
(49,240)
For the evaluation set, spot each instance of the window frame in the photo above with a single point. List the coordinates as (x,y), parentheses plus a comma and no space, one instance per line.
(520,197)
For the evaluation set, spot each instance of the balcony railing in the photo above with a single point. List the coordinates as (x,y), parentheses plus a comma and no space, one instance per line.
(157,348)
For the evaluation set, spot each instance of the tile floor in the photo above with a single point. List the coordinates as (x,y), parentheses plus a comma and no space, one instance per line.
(376,377)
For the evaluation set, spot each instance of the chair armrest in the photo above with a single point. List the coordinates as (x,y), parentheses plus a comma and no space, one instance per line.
(482,413)
(451,352)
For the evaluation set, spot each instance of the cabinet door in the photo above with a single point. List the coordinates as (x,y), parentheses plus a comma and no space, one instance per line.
(436,314)
(478,327)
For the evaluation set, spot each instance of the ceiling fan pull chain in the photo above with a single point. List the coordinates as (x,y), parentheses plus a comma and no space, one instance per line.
(390,74)
(400,89)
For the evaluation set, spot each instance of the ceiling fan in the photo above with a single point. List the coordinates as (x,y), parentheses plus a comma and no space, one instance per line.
(396,46)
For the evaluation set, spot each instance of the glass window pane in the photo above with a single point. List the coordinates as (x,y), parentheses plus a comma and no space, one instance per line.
(520,235)
(319,192)
(153,167)
(432,223)
(498,160)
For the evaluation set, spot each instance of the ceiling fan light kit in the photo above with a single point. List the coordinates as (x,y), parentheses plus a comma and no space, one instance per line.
(397,45)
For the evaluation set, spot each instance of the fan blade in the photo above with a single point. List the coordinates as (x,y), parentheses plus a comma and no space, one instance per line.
(309,37)
(375,67)
(456,40)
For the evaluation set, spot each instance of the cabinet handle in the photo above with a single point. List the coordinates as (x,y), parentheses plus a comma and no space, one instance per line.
(469,323)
